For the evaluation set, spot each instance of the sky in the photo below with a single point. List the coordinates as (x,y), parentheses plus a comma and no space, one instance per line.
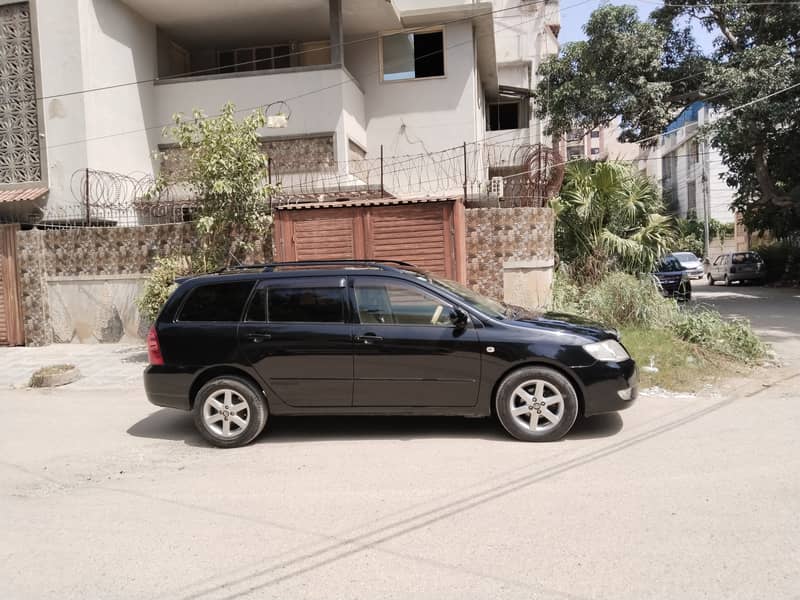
(573,19)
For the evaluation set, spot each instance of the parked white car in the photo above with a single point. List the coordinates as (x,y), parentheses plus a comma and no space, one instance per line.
(737,266)
(691,264)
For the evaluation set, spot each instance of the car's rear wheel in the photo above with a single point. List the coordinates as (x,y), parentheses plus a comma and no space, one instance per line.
(230,411)
(536,404)
(710,279)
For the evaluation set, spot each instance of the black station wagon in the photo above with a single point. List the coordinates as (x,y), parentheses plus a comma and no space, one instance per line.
(377,338)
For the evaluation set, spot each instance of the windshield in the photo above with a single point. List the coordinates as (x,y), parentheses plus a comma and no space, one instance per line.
(685,257)
(669,264)
(489,307)
(742,258)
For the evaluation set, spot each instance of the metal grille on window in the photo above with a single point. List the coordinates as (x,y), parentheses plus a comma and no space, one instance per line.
(19,127)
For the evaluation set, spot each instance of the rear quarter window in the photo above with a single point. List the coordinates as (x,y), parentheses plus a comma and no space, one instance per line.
(217,302)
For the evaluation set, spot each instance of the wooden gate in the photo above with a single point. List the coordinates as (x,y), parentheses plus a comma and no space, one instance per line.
(11,332)
(427,233)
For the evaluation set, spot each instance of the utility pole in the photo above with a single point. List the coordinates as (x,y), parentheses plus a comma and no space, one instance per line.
(706,200)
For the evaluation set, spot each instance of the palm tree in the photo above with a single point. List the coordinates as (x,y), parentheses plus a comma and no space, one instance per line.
(610,215)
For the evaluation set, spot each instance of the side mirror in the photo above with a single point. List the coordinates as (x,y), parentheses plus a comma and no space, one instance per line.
(459,318)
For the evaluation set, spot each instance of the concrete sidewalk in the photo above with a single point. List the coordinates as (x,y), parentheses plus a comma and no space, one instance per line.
(110,366)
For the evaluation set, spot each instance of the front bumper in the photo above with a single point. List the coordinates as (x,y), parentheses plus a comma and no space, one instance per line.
(608,386)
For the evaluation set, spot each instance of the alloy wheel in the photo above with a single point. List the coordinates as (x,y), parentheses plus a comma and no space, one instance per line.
(226,413)
(537,405)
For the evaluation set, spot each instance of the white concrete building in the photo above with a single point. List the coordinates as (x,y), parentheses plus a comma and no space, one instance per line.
(96,81)
(691,168)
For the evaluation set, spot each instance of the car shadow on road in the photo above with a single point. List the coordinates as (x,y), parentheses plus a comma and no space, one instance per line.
(167,424)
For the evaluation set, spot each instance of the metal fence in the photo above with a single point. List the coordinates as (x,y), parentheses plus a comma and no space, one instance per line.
(484,174)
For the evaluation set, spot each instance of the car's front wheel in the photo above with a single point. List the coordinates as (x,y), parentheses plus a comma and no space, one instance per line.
(536,404)
(229,411)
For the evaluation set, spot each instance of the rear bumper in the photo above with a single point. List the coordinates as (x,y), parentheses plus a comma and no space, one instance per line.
(746,276)
(608,387)
(168,387)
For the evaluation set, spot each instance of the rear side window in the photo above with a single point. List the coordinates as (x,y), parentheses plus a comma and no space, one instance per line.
(216,302)
(305,305)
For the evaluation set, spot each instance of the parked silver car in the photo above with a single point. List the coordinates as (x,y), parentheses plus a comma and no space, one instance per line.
(691,264)
(736,266)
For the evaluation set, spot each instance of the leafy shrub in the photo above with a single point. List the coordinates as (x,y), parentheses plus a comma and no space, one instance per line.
(709,330)
(617,300)
(622,300)
(782,260)
(159,285)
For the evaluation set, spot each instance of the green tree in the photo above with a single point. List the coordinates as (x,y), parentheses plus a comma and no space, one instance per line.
(645,72)
(609,215)
(226,169)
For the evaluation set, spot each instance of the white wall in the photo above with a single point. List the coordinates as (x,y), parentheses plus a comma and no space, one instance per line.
(85,44)
(119,47)
(437,113)
(60,62)
(339,108)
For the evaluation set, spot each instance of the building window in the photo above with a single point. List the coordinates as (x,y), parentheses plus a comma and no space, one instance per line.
(573,153)
(503,115)
(595,133)
(695,152)
(261,58)
(691,197)
(574,135)
(412,55)
(595,151)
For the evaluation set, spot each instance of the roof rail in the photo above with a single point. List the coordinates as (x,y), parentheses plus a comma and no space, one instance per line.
(386,265)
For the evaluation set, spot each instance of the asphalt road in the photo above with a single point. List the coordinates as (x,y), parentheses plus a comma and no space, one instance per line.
(773,312)
(679,497)
(105,496)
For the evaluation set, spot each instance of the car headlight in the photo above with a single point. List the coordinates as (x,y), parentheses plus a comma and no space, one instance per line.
(607,350)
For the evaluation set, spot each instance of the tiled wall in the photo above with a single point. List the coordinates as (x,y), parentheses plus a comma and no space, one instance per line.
(497,237)
(71,277)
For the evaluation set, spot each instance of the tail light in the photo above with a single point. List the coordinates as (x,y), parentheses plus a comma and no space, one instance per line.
(153,347)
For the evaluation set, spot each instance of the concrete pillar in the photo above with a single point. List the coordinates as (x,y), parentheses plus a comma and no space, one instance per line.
(337,37)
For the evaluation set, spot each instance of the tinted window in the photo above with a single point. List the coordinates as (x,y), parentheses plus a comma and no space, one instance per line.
(669,264)
(305,305)
(399,304)
(257,311)
(218,302)
(742,258)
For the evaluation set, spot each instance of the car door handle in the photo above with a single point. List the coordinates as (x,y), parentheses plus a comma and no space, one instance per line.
(369,338)
(258,337)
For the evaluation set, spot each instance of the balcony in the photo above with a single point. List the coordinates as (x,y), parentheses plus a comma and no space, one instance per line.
(323,103)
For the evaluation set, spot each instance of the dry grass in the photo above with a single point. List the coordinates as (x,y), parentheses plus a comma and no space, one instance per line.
(682,366)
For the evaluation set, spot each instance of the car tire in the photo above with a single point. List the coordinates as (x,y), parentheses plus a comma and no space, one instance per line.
(727,281)
(710,279)
(539,393)
(230,411)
